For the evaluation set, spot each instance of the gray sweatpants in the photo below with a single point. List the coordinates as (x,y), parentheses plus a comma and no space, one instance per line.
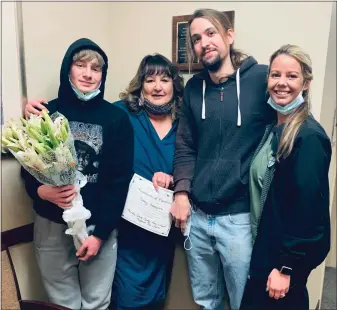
(68,281)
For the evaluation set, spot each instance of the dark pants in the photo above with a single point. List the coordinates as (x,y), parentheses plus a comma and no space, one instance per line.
(255,297)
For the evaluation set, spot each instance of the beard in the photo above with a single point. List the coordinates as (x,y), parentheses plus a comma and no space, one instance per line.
(212,65)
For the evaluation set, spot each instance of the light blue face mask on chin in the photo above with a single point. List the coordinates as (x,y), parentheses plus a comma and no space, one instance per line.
(87,96)
(288,108)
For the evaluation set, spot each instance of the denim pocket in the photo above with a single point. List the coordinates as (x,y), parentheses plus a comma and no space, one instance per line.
(239,218)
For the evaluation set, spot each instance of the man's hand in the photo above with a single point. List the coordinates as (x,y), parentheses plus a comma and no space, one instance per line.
(89,248)
(278,284)
(35,107)
(162,179)
(59,195)
(180,210)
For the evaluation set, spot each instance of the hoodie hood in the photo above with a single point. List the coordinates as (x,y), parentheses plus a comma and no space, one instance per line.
(204,75)
(65,90)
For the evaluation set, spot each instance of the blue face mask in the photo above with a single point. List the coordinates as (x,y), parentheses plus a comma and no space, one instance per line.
(85,97)
(288,108)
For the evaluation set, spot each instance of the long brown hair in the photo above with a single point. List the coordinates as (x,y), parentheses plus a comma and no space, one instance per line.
(222,23)
(296,118)
(153,64)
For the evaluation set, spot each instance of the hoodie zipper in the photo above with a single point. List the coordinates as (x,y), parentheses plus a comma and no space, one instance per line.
(221,94)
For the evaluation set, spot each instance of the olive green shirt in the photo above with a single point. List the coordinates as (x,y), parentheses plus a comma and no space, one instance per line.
(258,170)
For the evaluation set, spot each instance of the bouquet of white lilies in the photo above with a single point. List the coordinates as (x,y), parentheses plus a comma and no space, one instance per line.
(44,146)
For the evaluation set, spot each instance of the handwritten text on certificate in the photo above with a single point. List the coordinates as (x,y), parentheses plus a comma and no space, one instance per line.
(147,208)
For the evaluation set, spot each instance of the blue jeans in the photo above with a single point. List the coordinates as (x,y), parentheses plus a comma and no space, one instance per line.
(219,258)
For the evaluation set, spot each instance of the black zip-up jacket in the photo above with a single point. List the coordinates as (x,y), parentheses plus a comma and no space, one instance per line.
(213,154)
(104,144)
(294,226)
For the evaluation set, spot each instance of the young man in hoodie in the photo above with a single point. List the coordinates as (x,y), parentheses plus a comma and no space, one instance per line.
(82,279)
(222,120)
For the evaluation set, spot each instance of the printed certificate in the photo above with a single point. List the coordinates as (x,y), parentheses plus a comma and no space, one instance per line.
(147,208)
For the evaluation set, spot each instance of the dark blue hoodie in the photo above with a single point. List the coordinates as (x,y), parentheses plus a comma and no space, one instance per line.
(104,144)
(220,126)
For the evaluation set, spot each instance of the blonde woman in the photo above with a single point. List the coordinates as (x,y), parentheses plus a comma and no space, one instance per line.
(289,190)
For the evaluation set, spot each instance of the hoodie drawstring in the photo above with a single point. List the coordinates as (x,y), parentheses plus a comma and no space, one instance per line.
(238,94)
(203,111)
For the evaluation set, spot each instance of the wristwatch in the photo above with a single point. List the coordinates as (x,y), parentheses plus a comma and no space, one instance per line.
(286,270)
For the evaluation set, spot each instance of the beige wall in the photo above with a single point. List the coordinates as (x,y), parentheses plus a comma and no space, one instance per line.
(260,28)
(127,32)
(327,120)
(127,36)
(331,259)
(16,207)
(49,29)
(10,64)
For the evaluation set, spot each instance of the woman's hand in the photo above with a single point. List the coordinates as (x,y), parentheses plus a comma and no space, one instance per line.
(35,106)
(278,284)
(161,179)
(59,195)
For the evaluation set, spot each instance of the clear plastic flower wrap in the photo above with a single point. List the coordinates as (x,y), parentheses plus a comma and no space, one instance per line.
(44,146)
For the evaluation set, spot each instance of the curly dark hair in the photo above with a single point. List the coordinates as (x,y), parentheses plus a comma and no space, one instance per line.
(153,65)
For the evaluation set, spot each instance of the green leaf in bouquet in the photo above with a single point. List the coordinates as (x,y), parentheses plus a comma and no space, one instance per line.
(33,132)
(53,139)
(14,129)
(50,128)
(4,142)
(13,140)
(48,121)
(64,133)
(47,147)
(23,122)
(47,142)
(7,132)
(14,147)
(44,129)
(66,125)
(39,148)
(23,139)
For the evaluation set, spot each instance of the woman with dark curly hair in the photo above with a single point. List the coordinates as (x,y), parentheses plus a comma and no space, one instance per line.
(144,259)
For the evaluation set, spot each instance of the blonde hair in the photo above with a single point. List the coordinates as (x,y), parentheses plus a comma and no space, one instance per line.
(296,118)
(222,23)
(88,55)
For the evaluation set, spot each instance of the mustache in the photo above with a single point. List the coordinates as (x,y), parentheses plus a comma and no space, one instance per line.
(206,50)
